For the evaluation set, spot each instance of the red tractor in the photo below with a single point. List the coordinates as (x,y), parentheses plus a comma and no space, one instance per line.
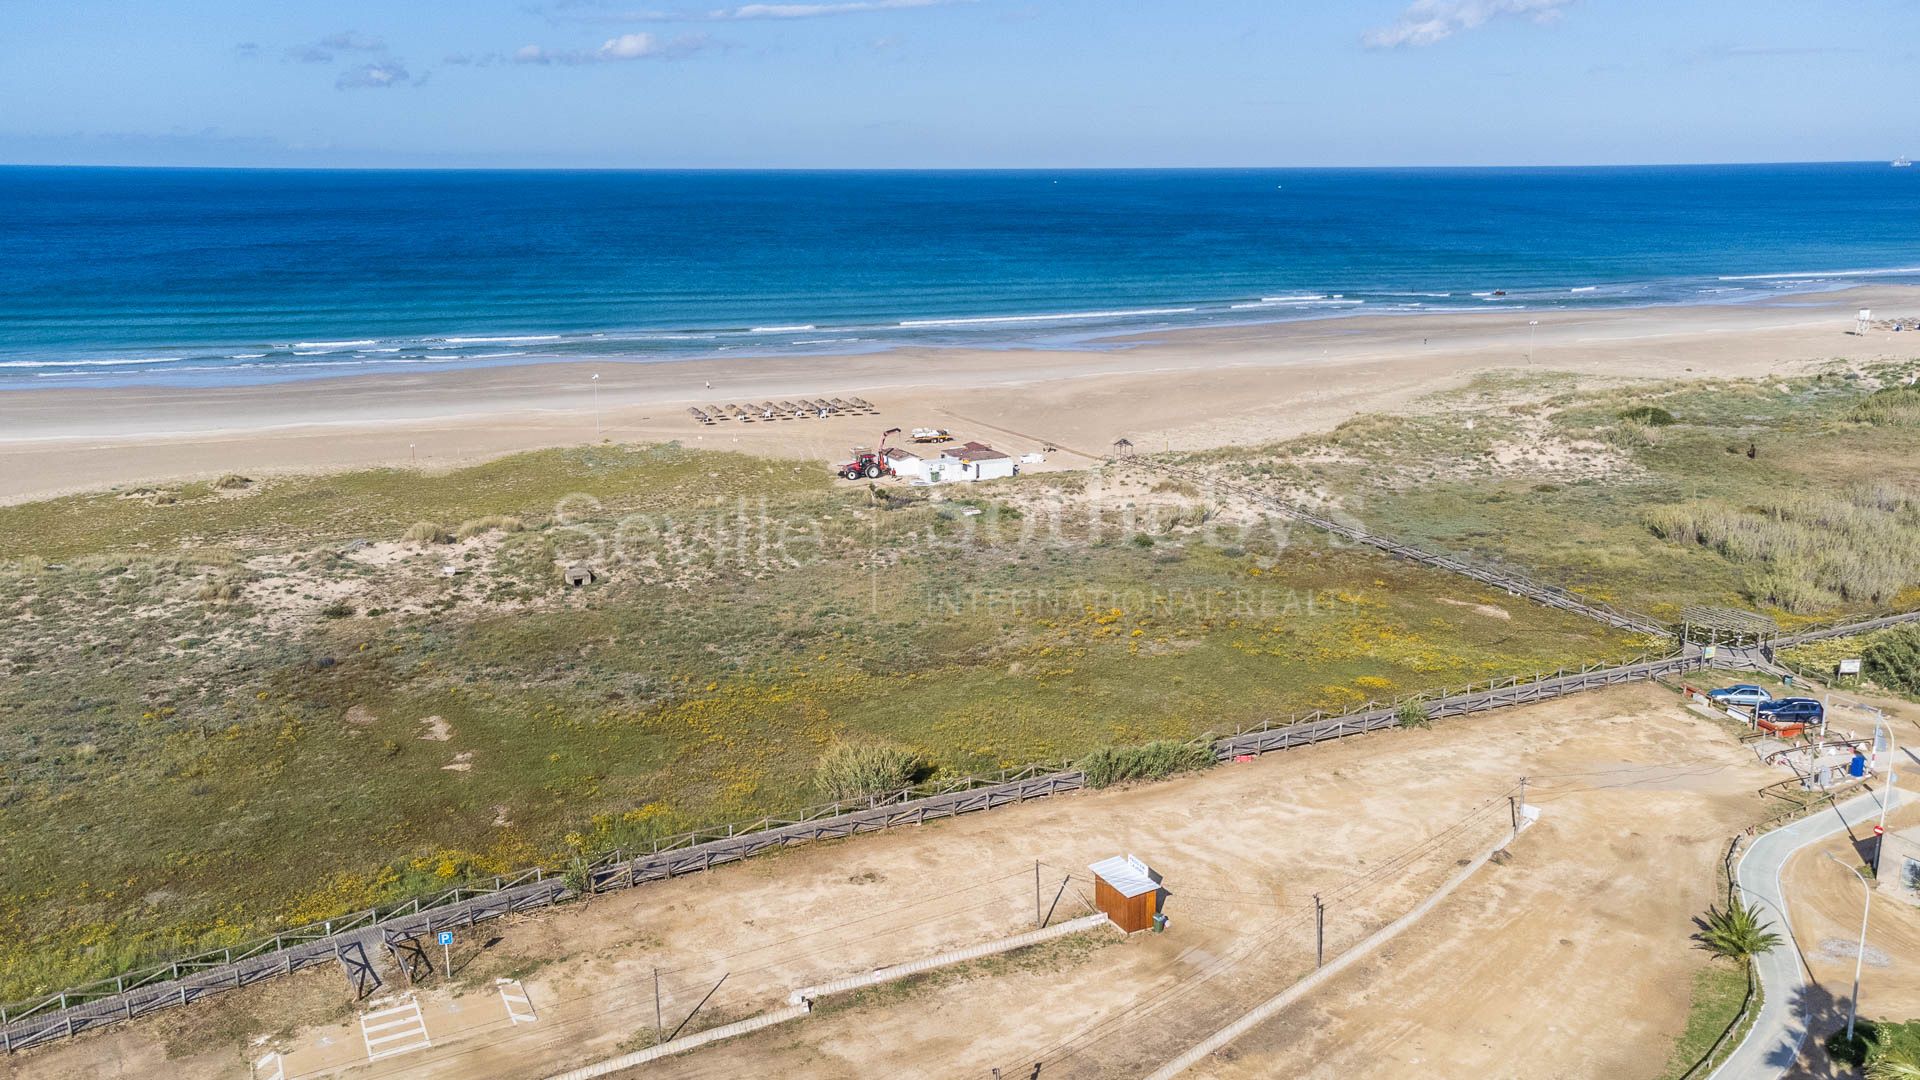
(871,464)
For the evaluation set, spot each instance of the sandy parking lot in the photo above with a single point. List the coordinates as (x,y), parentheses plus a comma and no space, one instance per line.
(1590,916)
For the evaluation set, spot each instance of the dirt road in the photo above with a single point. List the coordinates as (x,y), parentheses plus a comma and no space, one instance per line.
(1590,916)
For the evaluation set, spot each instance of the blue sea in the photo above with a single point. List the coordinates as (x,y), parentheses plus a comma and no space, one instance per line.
(169,277)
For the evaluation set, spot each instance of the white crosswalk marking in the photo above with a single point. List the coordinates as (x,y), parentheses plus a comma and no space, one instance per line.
(394,1030)
(519,1006)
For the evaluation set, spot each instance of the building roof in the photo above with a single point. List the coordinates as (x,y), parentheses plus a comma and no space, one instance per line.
(1129,876)
(896,452)
(972,451)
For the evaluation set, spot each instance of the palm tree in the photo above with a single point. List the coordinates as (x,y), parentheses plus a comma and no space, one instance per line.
(1888,1068)
(1736,932)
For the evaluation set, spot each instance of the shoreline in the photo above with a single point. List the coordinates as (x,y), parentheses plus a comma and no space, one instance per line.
(1045,332)
(1186,389)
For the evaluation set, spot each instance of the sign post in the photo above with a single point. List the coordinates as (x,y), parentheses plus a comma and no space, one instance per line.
(446,951)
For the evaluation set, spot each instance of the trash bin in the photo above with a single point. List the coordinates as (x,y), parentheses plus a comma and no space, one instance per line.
(1159,922)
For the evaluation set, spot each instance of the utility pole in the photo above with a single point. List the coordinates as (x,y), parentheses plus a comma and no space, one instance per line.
(1037,916)
(1319,932)
(659,1027)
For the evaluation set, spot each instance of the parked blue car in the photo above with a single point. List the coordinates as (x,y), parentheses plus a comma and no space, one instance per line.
(1743,694)
(1795,709)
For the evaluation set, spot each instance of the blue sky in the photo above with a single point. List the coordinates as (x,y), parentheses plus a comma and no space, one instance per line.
(954,83)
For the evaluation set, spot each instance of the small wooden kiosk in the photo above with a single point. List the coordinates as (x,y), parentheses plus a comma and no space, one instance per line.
(1127,891)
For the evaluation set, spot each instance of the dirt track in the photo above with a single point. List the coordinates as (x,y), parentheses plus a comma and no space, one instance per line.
(1590,917)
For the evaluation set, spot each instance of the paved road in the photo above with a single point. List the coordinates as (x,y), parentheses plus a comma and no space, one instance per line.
(1773,1044)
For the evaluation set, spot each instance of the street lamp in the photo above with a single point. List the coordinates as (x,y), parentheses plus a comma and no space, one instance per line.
(1531,323)
(1860,955)
(1882,732)
(595,383)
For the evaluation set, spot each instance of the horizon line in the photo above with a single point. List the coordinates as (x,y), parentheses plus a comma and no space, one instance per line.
(828,169)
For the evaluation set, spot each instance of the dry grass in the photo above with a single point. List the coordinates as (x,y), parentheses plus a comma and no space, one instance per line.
(481,525)
(1807,553)
(426,532)
(1895,406)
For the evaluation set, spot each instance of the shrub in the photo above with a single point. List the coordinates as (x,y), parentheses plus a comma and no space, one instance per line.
(1892,659)
(426,532)
(1109,765)
(1414,714)
(336,611)
(1895,406)
(1142,540)
(1632,435)
(232,482)
(492,523)
(223,589)
(1804,553)
(1650,415)
(863,770)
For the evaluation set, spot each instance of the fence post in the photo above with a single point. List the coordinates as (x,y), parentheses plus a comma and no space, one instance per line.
(1319,932)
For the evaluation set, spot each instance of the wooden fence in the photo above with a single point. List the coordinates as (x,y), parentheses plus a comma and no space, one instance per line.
(1552,596)
(186,980)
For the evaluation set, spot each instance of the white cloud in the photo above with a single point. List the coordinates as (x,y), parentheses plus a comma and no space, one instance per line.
(814,11)
(1428,21)
(613,50)
(744,12)
(378,75)
(324,50)
(352,41)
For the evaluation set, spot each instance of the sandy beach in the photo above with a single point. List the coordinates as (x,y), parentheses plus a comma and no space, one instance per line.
(1187,390)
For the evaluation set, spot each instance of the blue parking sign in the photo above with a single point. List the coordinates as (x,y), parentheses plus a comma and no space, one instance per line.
(446,937)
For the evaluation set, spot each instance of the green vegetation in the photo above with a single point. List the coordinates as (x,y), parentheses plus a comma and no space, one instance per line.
(862,770)
(1892,659)
(255,707)
(1413,714)
(1650,415)
(1894,406)
(1719,988)
(1809,553)
(1889,658)
(1888,1050)
(1735,931)
(1795,497)
(1109,765)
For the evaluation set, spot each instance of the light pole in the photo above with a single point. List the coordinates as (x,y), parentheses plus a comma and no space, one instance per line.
(1531,323)
(1860,956)
(1881,731)
(595,383)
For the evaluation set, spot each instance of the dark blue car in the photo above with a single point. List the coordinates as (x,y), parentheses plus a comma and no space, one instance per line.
(1796,709)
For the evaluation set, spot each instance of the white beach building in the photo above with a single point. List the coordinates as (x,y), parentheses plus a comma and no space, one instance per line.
(973,461)
(906,464)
